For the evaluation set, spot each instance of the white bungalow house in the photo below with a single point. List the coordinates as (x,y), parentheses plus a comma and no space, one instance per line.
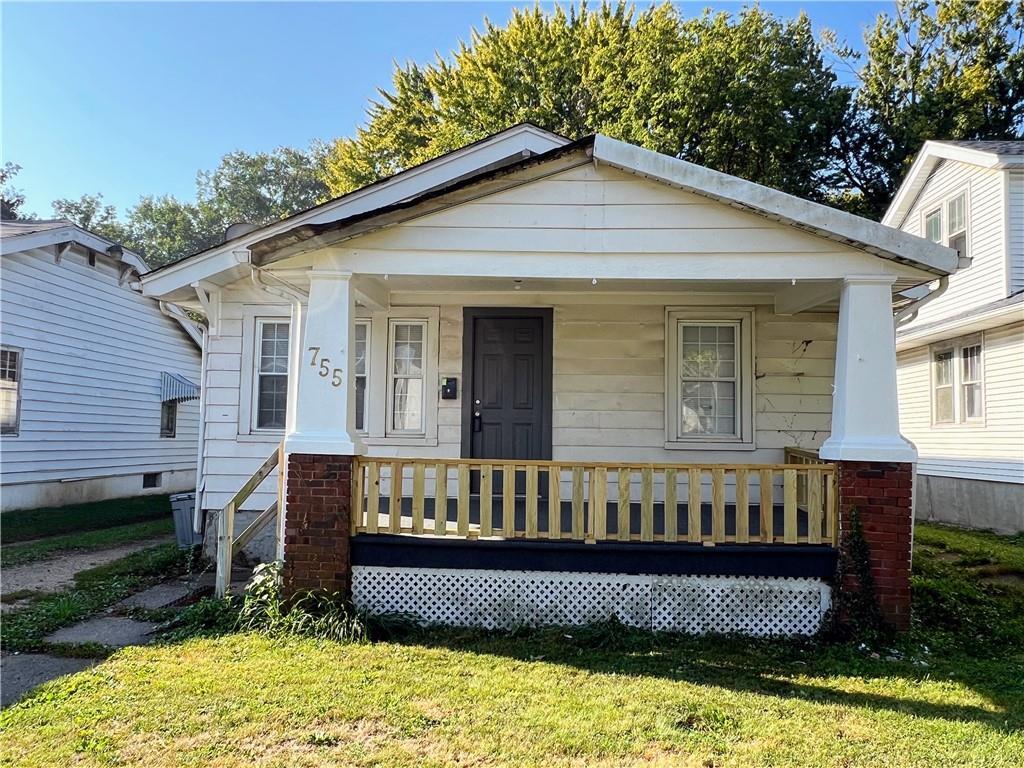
(98,384)
(625,383)
(961,355)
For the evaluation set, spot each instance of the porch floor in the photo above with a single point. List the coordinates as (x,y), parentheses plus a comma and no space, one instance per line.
(611,516)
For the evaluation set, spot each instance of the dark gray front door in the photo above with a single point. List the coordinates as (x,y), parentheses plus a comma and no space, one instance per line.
(510,389)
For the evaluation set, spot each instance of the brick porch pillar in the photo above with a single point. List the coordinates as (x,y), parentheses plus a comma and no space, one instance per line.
(881,493)
(317,527)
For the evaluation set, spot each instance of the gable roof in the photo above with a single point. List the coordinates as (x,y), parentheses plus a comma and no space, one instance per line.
(818,219)
(984,154)
(408,197)
(19,236)
(497,150)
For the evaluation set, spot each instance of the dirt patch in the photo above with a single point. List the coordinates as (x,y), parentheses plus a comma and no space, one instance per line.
(1012,580)
(59,572)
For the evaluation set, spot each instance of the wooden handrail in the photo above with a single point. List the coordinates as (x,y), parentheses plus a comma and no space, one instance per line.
(734,503)
(226,544)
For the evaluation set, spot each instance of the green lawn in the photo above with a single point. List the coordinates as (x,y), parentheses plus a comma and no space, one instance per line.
(23,525)
(40,549)
(584,697)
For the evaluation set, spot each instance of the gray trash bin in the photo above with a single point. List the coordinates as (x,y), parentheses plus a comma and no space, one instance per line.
(183,507)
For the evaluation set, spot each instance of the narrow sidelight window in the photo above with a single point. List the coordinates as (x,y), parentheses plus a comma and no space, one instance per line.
(407,353)
(271,374)
(361,366)
(10,390)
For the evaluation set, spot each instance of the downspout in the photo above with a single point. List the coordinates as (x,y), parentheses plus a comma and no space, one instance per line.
(197,512)
(909,312)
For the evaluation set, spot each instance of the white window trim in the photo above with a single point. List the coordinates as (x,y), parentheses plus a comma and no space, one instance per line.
(940,209)
(957,346)
(253,318)
(744,316)
(17,392)
(378,407)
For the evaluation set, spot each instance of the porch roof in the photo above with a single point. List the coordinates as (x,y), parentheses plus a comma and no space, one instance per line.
(279,242)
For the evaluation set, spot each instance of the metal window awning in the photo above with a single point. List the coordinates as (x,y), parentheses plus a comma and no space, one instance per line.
(175,387)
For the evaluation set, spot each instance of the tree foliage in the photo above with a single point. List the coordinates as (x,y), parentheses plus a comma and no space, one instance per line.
(11,199)
(749,95)
(954,70)
(257,188)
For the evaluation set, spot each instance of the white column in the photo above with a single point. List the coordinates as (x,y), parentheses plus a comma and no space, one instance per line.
(324,412)
(865,411)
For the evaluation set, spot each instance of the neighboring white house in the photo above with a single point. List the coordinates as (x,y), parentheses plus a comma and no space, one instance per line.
(961,356)
(625,330)
(98,384)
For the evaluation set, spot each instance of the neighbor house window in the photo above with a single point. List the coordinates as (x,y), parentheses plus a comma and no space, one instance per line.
(407,345)
(956,223)
(957,382)
(168,418)
(360,369)
(933,225)
(10,390)
(271,374)
(710,392)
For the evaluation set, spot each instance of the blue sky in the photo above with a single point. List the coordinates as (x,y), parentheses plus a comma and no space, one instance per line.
(131,99)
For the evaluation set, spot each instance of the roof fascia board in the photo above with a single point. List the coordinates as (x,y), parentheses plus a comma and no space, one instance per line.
(856,231)
(433,173)
(982,321)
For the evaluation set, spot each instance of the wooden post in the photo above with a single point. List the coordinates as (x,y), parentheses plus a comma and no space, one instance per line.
(599,501)
(693,533)
(486,500)
(671,507)
(742,507)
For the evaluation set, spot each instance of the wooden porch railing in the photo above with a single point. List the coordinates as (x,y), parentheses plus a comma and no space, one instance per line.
(591,502)
(228,544)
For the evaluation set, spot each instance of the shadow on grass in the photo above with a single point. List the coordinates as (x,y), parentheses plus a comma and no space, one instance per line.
(776,668)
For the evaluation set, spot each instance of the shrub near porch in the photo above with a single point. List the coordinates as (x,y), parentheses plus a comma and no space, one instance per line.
(592,696)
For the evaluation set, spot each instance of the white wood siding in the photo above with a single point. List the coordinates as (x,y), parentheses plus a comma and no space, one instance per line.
(993,450)
(608,390)
(90,392)
(986,279)
(1015,236)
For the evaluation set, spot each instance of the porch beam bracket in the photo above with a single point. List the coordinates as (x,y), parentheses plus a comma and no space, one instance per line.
(209,300)
(60,250)
(802,296)
(372,293)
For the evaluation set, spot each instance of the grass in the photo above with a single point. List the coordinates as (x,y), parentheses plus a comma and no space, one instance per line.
(23,525)
(41,549)
(94,590)
(596,696)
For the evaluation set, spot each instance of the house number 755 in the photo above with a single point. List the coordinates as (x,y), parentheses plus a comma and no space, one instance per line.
(323,366)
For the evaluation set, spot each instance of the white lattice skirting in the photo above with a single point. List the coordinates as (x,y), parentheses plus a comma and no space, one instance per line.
(507,599)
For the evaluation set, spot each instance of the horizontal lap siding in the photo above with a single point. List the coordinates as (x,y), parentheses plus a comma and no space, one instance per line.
(993,450)
(609,385)
(93,354)
(985,280)
(230,460)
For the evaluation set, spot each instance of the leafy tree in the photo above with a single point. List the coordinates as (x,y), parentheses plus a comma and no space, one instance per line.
(11,199)
(951,70)
(750,95)
(90,212)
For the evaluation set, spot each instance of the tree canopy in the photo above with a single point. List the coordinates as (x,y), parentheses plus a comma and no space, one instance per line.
(749,94)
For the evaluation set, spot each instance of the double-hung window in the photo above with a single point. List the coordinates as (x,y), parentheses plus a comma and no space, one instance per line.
(709,378)
(406,385)
(956,223)
(958,382)
(10,390)
(271,396)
